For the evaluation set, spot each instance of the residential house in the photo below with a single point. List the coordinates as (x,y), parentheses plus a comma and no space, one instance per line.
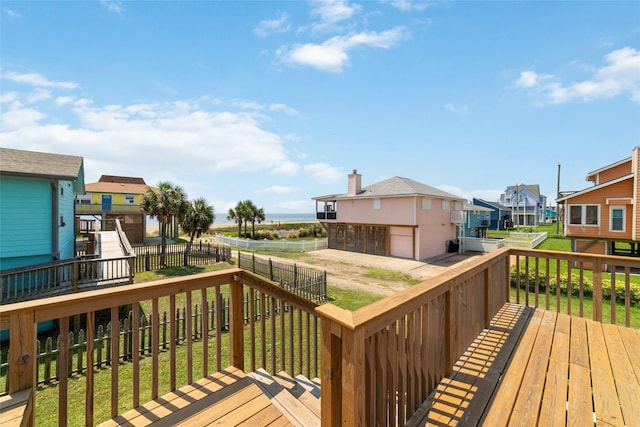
(604,218)
(37,192)
(527,205)
(477,220)
(117,197)
(500,216)
(396,217)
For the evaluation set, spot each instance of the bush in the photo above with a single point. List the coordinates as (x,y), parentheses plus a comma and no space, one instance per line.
(587,286)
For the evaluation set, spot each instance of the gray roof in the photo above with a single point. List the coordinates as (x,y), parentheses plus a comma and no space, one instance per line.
(45,165)
(495,205)
(399,187)
(533,189)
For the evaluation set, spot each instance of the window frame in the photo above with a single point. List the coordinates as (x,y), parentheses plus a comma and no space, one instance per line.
(623,220)
(584,210)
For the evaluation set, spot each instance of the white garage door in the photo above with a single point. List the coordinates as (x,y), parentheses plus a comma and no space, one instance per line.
(401,242)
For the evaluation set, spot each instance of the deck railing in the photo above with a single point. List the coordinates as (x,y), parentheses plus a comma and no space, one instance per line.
(287,341)
(378,363)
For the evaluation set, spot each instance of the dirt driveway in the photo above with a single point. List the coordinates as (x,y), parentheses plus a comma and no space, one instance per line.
(348,269)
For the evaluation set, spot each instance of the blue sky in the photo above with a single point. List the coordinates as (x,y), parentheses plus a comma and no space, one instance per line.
(277,101)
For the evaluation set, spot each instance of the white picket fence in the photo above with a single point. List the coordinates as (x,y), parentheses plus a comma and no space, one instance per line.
(282,245)
(515,240)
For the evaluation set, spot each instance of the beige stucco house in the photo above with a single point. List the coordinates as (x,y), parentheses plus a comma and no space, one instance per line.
(395,217)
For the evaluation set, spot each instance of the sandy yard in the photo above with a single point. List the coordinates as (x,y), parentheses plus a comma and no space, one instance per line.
(348,270)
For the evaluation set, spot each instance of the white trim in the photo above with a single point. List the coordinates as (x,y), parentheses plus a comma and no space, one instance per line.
(583,215)
(619,200)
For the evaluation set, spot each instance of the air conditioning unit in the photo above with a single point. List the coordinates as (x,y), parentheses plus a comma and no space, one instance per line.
(458,217)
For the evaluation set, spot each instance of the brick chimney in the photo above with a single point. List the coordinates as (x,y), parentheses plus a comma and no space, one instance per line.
(355,183)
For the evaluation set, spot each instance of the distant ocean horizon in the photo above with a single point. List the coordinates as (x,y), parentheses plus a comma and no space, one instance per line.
(270,218)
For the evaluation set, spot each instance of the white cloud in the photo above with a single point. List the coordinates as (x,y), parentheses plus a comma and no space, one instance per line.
(621,74)
(12,14)
(8,97)
(19,117)
(279,189)
(37,80)
(324,172)
(154,140)
(332,55)
(488,195)
(277,25)
(408,5)
(452,108)
(281,108)
(333,11)
(112,5)
(527,79)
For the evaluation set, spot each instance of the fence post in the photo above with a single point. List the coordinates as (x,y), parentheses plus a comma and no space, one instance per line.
(76,276)
(147,261)
(597,290)
(270,269)
(253,263)
(236,324)
(295,276)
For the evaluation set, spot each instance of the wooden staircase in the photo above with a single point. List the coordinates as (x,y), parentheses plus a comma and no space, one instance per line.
(297,398)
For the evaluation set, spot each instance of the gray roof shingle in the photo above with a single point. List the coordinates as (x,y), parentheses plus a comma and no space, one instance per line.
(35,164)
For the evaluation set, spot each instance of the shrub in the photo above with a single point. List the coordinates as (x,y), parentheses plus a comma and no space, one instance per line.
(587,285)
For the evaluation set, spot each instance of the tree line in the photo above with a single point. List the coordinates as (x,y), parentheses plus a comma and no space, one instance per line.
(246,212)
(169,203)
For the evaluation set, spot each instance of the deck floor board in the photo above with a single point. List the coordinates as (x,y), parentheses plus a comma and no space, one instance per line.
(562,371)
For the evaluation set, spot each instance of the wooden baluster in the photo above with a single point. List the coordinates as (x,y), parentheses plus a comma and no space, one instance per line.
(89,388)
(189,319)
(204,326)
(115,356)
(135,352)
(173,330)
(236,325)
(155,338)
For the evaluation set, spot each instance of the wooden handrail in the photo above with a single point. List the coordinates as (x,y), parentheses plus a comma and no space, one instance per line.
(22,318)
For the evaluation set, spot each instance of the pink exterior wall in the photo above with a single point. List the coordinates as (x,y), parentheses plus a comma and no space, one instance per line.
(434,224)
(393,211)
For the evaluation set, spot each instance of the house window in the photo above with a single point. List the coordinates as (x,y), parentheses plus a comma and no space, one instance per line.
(445,205)
(458,206)
(129,199)
(376,204)
(584,215)
(426,203)
(617,218)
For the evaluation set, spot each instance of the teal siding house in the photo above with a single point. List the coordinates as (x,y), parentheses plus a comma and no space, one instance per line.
(477,221)
(37,206)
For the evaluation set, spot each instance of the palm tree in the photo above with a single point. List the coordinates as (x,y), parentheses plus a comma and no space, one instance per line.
(197,220)
(255,215)
(166,203)
(238,214)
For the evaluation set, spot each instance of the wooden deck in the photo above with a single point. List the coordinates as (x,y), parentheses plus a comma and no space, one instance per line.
(227,398)
(535,367)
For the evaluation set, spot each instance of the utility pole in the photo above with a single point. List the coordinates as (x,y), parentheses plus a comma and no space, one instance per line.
(518,208)
(558,207)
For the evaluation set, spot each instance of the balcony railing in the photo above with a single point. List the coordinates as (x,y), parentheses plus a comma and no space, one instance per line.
(326,215)
(96,208)
(378,363)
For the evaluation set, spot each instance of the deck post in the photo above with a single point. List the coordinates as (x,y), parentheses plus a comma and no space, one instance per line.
(236,324)
(597,290)
(353,377)
(23,357)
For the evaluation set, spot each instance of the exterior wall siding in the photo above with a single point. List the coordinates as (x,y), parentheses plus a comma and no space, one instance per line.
(25,209)
(66,233)
(393,211)
(615,172)
(635,226)
(621,190)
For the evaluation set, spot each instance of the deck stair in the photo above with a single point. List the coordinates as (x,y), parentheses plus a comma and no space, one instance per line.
(297,398)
